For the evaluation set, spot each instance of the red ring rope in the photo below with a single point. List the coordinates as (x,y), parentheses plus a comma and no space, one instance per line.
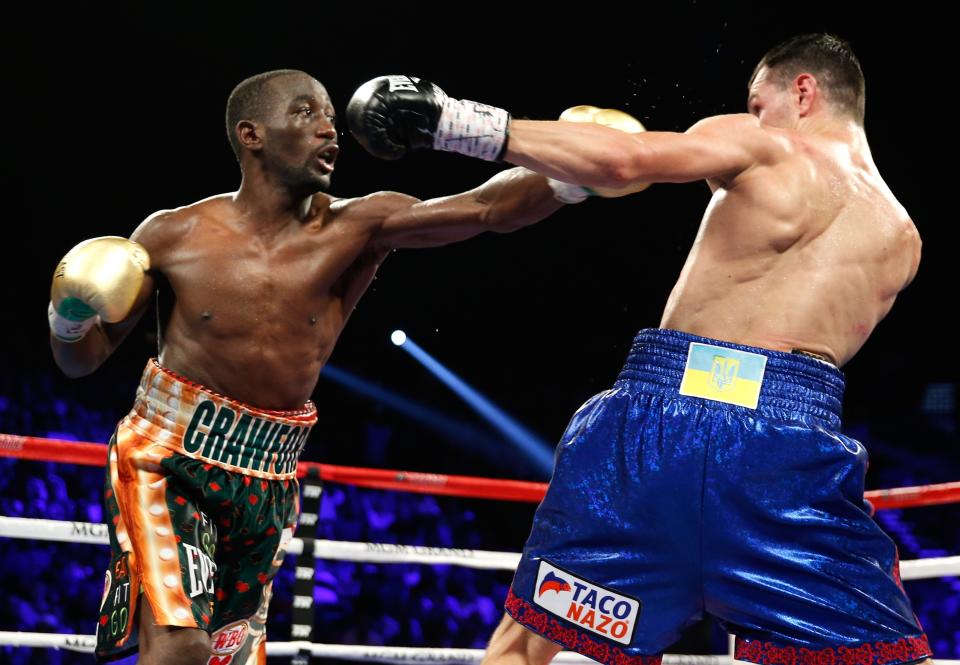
(95,454)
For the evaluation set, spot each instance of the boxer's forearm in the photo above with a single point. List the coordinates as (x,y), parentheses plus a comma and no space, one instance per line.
(582,153)
(515,199)
(509,201)
(82,357)
(85,355)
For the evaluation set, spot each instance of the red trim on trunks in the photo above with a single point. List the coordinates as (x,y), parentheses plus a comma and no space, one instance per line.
(904,650)
(576,640)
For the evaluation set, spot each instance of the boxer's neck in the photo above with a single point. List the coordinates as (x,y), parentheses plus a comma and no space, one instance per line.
(268,206)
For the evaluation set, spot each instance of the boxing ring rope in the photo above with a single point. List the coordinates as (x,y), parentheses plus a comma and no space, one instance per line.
(39,449)
(87,532)
(361,653)
(93,454)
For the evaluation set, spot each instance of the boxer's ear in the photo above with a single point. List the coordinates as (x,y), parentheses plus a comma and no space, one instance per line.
(250,133)
(806,91)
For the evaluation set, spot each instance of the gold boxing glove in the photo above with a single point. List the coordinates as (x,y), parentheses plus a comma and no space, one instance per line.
(608,118)
(99,278)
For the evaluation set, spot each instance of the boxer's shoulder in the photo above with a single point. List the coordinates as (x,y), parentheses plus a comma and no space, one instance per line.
(165,229)
(726,123)
(764,142)
(373,208)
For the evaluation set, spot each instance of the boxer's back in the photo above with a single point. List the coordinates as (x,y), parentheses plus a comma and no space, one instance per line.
(806,250)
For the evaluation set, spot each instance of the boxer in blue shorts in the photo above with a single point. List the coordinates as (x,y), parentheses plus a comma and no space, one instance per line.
(713,478)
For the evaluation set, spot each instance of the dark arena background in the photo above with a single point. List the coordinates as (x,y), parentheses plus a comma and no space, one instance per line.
(111,115)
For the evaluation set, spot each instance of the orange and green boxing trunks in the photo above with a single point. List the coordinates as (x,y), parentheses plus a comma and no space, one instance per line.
(203,499)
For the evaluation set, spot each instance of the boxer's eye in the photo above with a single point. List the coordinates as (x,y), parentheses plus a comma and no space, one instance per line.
(306,111)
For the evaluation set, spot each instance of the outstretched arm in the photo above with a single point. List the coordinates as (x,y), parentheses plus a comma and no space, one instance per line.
(509,201)
(394,114)
(592,155)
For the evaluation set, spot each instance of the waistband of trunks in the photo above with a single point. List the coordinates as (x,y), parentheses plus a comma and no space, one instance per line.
(194,421)
(792,386)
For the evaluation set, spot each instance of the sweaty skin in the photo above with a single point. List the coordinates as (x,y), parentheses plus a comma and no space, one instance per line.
(806,252)
(265,278)
(803,246)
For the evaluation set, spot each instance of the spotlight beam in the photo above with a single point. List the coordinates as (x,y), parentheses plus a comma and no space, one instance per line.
(533,447)
(456,431)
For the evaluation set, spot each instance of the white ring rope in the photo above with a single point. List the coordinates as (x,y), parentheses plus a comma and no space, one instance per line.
(400,655)
(86,644)
(87,532)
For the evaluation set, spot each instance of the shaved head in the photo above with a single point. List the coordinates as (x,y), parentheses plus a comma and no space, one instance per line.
(252,100)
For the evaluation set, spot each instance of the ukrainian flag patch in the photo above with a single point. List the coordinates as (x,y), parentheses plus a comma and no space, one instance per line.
(723,375)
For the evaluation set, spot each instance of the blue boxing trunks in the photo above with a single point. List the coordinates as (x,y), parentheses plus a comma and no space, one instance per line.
(712,479)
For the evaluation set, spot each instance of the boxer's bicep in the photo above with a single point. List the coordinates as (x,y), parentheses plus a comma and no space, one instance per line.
(717,152)
(433,222)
